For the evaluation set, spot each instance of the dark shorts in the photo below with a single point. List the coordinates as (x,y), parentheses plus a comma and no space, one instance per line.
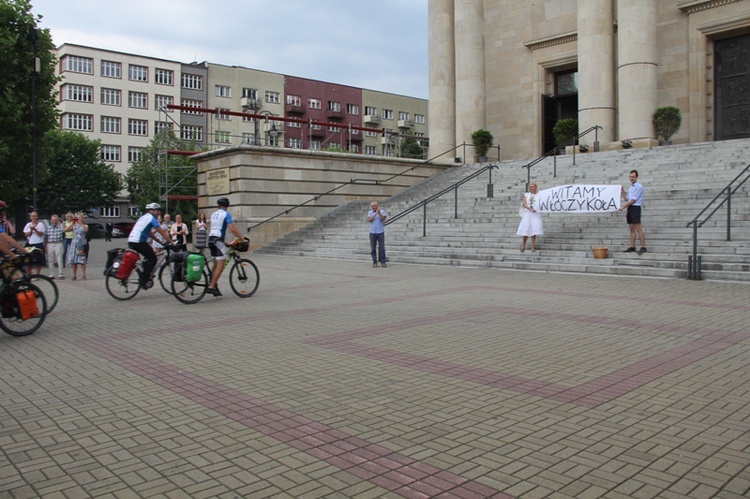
(634,215)
(218,247)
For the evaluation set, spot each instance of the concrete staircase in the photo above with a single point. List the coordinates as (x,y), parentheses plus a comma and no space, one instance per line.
(679,182)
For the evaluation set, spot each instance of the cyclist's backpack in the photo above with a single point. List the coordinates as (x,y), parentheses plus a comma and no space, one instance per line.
(194,267)
(113,260)
(178,259)
(127,264)
(27,306)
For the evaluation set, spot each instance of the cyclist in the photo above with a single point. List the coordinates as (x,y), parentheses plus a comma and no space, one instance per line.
(221,220)
(6,241)
(137,240)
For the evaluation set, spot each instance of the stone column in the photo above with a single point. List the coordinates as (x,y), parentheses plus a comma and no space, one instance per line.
(441,122)
(470,84)
(636,68)
(596,69)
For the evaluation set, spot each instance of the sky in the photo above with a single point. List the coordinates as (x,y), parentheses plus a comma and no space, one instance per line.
(374,45)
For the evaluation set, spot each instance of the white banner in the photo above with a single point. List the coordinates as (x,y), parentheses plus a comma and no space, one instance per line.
(578,199)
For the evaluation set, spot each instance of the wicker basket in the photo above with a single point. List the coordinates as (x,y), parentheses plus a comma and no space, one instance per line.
(599,250)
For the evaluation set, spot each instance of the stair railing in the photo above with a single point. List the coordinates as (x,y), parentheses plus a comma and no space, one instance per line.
(452,188)
(694,260)
(357,181)
(555,151)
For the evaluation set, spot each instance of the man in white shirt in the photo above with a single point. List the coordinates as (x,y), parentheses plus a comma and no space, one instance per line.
(34,232)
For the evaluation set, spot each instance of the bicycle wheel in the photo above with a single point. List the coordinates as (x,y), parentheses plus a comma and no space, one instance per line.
(10,318)
(244,278)
(190,292)
(49,288)
(165,276)
(124,289)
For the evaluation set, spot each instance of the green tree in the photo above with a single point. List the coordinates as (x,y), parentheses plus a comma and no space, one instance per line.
(410,148)
(18,31)
(75,177)
(157,175)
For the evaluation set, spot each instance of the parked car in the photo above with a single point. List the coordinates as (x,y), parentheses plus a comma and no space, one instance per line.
(125,227)
(117,232)
(96,230)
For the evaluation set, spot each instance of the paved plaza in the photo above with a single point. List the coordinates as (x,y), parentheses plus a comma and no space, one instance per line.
(340,380)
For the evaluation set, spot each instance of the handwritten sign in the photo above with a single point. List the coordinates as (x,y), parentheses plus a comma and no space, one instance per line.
(217,182)
(578,199)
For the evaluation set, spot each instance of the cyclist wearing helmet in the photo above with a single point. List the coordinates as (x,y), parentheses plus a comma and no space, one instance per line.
(6,241)
(137,240)
(221,220)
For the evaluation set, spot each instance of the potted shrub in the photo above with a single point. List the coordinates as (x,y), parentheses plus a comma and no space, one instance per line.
(667,121)
(482,140)
(564,130)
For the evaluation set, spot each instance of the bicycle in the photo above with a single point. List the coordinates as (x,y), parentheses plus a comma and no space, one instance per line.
(20,313)
(165,268)
(43,282)
(128,288)
(244,277)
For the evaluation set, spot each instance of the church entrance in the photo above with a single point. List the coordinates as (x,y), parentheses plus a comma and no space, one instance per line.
(732,77)
(562,104)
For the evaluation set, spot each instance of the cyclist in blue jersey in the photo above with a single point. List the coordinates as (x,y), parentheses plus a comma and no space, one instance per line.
(138,240)
(221,220)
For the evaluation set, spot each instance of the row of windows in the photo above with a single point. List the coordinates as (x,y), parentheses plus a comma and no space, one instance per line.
(110,124)
(112,96)
(114,211)
(387,114)
(136,72)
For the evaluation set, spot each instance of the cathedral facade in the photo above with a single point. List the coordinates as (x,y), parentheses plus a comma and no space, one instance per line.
(515,67)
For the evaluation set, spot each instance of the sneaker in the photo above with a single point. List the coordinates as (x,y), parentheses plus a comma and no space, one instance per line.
(384,265)
(629,250)
(61,276)
(213,291)
(51,277)
(642,251)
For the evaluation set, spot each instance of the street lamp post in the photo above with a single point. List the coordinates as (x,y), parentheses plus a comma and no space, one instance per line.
(36,69)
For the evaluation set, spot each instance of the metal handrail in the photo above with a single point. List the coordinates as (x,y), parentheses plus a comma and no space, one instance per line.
(454,187)
(694,261)
(561,147)
(351,182)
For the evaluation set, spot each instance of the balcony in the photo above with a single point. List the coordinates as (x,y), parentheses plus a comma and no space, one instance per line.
(405,123)
(250,103)
(295,109)
(317,132)
(372,119)
(333,114)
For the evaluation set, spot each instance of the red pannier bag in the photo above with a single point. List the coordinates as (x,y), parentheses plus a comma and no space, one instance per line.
(127,264)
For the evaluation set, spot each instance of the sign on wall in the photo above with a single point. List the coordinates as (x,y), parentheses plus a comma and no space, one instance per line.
(217,182)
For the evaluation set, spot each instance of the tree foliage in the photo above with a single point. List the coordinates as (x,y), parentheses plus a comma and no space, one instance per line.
(157,175)
(74,176)
(17,29)
(410,148)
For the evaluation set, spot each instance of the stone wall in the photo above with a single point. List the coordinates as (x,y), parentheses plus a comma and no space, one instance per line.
(264,182)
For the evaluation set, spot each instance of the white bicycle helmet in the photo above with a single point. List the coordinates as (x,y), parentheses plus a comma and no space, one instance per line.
(153,206)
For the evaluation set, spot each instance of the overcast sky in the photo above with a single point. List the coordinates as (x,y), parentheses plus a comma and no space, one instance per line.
(374,45)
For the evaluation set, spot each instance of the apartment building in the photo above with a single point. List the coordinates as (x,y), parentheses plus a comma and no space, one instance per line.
(122,99)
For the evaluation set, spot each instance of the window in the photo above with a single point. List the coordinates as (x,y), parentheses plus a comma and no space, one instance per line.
(133,211)
(371,150)
(250,93)
(192,103)
(164,77)
(135,154)
(221,113)
(222,91)
(162,101)
(79,93)
(191,132)
(110,153)
(110,97)
(354,148)
(137,73)
(137,127)
(315,126)
(419,119)
(566,83)
(110,69)
(295,143)
(110,124)
(82,122)
(76,64)
(160,126)
(352,109)
(138,100)
(370,110)
(334,106)
(294,124)
(221,137)
(370,134)
(294,100)
(314,103)
(192,82)
(403,115)
(387,114)
(315,145)
(248,138)
(272,97)
(110,211)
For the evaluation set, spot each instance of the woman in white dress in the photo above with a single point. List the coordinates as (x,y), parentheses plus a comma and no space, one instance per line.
(531,220)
